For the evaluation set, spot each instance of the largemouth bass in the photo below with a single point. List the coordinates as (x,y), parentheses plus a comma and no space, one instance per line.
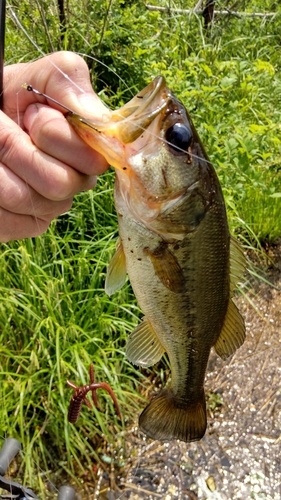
(175,246)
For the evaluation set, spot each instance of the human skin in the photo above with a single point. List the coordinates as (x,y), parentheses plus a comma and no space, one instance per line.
(43,163)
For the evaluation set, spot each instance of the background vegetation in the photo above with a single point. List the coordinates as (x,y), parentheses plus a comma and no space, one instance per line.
(54,316)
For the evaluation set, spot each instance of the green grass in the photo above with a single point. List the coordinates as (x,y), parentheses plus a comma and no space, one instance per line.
(55,317)
(55,321)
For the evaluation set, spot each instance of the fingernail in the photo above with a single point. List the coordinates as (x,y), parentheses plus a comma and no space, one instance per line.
(91,182)
(30,115)
(93,105)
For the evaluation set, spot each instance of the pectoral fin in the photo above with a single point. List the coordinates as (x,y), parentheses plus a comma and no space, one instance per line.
(167,268)
(143,346)
(116,272)
(232,335)
(237,263)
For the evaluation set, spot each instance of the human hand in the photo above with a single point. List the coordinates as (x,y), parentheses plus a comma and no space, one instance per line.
(43,162)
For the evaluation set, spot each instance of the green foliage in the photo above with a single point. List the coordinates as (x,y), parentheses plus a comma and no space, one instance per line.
(55,317)
(228,77)
(55,321)
(214,401)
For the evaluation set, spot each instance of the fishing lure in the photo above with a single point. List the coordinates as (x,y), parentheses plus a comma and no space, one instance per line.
(80,396)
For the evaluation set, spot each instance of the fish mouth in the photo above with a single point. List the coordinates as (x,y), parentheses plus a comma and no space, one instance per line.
(137,114)
(110,134)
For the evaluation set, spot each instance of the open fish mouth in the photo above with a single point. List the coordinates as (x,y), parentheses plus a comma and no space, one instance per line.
(138,113)
(115,130)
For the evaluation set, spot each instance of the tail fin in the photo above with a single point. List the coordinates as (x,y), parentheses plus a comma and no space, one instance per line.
(166,418)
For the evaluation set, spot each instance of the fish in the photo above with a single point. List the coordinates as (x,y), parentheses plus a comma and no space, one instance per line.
(176,247)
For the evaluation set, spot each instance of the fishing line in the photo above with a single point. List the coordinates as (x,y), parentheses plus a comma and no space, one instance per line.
(34,44)
(87,121)
(21,27)
(107,67)
(153,135)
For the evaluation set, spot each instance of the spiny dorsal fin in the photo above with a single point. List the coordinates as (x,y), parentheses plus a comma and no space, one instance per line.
(232,335)
(143,346)
(237,263)
(167,267)
(116,272)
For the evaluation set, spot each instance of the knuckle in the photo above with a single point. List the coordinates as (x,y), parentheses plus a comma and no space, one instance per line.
(70,65)
(8,142)
(66,206)
(58,208)
(4,144)
(15,226)
(42,124)
(68,60)
(59,186)
(39,227)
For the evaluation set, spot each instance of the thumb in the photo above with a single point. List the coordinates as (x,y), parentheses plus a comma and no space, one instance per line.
(64,76)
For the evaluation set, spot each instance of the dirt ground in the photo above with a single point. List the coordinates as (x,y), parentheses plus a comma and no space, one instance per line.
(240,455)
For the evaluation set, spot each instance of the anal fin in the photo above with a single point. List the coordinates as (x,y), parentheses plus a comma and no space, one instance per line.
(143,346)
(232,334)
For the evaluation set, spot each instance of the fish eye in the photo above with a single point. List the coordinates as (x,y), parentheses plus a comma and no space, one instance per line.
(179,137)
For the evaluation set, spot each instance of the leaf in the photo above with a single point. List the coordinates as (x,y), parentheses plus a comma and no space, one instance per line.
(275,195)
(228,81)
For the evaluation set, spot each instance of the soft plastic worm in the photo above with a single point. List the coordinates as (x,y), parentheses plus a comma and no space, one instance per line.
(80,396)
